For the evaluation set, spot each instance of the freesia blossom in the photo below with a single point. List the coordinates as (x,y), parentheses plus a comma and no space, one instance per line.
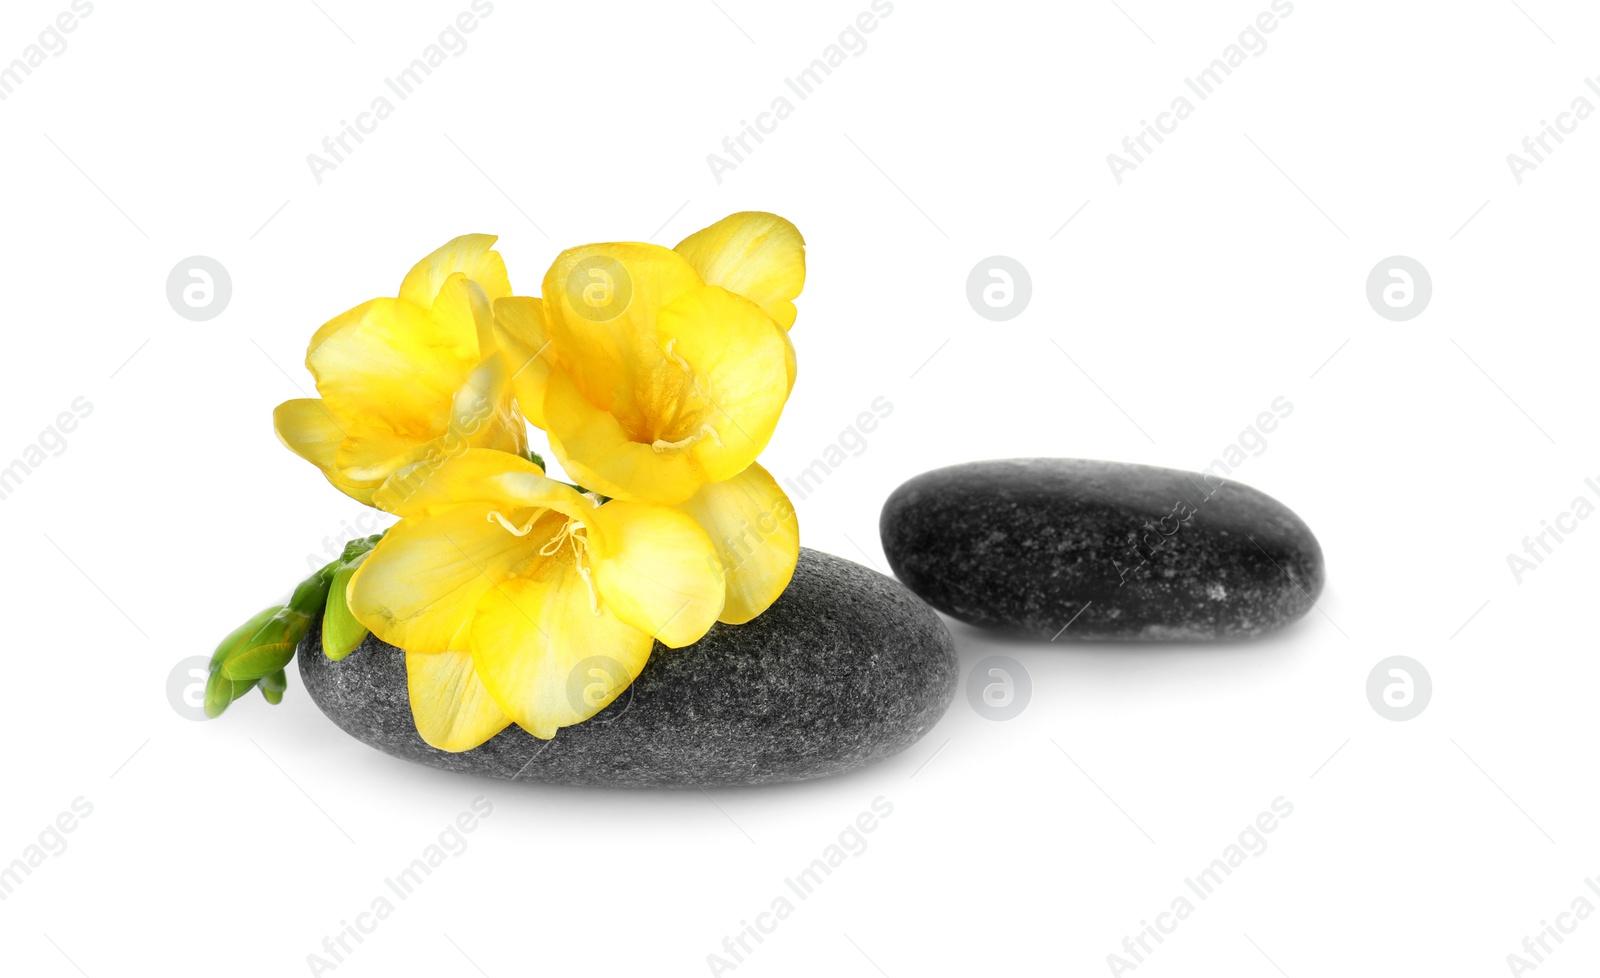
(409,378)
(505,588)
(660,374)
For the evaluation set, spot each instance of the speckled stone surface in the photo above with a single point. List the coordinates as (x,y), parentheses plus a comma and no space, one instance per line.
(846,668)
(1121,551)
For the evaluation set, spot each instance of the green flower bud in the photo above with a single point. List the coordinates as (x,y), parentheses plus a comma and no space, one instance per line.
(256,653)
(272,646)
(359,548)
(272,687)
(341,632)
(312,593)
(269,649)
(220,690)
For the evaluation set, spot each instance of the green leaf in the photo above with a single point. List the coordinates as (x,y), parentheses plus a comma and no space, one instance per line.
(341,632)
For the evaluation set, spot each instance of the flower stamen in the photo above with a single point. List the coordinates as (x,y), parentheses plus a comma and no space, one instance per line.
(688,392)
(495,517)
(680,361)
(588,582)
(569,533)
(662,445)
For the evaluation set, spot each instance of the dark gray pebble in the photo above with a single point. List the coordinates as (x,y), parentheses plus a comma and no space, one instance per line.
(846,668)
(1120,551)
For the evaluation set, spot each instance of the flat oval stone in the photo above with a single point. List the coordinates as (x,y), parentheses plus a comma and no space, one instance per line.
(1058,548)
(847,667)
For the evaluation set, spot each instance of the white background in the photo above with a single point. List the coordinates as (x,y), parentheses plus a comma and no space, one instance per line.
(1172,309)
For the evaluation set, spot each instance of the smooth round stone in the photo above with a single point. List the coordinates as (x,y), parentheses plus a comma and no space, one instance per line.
(1120,551)
(847,667)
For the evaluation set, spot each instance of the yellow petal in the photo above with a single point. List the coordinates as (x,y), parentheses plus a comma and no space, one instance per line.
(482,413)
(600,307)
(481,416)
(370,452)
(449,703)
(759,256)
(654,568)
(520,334)
(658,383)
(789,360)
(543,653)
(757,535)
(420,586)
(739,361)
(392,364)
(478,475)
(702,404)
(464,305)
(469,254)
(307,428)
(601,455)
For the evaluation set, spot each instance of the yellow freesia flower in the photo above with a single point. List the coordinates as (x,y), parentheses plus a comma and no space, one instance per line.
(520,600)
(660,375)
(410,378)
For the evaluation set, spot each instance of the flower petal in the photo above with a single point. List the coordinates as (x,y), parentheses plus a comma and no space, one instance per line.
(470,254)
(420,586)
(481,411)
(789,360)
(655,568)
(757,255)
(452,709)
(520,334)
(392,364)
(600,307)
(371,451)
(708,397)
(740,363)
(464,305)
(600,454)
(545,655)
(477,475)
(307,428)
(481,415)
(757,535)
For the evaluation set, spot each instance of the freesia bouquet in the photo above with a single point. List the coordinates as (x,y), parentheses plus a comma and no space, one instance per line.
(658,376)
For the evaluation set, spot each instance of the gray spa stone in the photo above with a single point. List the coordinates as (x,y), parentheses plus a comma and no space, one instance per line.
(1121,551)
(847,667)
